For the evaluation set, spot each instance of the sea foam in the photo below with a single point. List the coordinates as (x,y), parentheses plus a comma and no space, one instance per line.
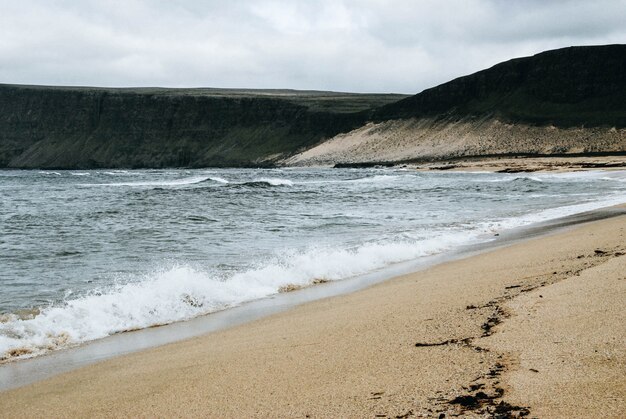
(181,292)
(274,181)
(160,183)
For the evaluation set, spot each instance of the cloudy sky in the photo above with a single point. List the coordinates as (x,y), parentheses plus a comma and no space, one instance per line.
(343,45)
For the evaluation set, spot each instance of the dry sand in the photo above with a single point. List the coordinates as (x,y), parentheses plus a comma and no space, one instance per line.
(536,325)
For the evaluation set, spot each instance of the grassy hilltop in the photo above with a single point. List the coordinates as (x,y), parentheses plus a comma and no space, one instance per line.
(570,100)
(84,127)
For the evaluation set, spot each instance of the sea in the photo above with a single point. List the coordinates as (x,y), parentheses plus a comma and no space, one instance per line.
(88,254)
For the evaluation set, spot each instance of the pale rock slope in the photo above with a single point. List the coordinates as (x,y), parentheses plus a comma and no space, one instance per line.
(428,139)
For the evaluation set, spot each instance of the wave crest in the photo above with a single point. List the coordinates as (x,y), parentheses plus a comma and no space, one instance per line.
(182,292)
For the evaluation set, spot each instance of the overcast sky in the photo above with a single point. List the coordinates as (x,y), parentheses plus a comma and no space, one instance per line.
(343,45)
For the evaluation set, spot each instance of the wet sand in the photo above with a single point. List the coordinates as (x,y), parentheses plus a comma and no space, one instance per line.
(535,327)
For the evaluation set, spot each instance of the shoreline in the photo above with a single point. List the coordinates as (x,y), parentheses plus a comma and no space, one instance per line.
(484,233)
(519,163)
(230,352)
(503,163)
(531,164)
(15,373)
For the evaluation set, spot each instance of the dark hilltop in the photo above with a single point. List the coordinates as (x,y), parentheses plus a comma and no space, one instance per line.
(575,86)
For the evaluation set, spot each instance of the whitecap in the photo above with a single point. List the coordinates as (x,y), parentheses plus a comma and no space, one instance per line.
(274,181)
(175,182)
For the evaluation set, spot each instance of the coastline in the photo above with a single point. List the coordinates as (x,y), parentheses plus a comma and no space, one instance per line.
(503,163)
(527,164)
(356,354)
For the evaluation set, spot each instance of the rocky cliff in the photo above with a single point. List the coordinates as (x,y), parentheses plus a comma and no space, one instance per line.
(566,87)
(54,127)
(560,102)
(565,101)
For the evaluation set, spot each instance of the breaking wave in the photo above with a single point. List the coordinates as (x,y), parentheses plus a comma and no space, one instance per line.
(181,292)
(270,182)
(162,183)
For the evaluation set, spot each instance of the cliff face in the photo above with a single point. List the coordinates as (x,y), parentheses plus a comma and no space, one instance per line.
(566,101)
(566,87)
(88,128)
(569,100)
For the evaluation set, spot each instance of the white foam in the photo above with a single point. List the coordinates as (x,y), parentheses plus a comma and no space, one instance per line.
(118,173)
(181,292)
(219,180)
(590,174)
(553,213)
(176,182)
(274,181)
(377,178)
(513,179)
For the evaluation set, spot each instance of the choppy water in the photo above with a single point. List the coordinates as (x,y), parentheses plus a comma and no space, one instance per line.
(85,254)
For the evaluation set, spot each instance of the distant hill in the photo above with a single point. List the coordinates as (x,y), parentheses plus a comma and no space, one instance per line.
(565,87)
(566,101)
(85,127)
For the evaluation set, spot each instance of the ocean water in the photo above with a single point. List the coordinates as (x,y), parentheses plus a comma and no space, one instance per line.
(87,254)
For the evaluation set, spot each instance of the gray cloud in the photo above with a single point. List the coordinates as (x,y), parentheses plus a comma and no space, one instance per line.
(349,45)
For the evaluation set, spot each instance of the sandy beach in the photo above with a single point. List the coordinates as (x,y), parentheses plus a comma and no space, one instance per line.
(528,164)
(535,328)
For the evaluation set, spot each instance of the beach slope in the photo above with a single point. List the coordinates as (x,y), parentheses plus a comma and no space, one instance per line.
(533,328)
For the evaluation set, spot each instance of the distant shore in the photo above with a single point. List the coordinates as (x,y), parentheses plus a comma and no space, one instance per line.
(529,164)
(507,164)
(433,141)
(533,327)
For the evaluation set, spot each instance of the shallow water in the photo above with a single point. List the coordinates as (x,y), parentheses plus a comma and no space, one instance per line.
(85,254)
